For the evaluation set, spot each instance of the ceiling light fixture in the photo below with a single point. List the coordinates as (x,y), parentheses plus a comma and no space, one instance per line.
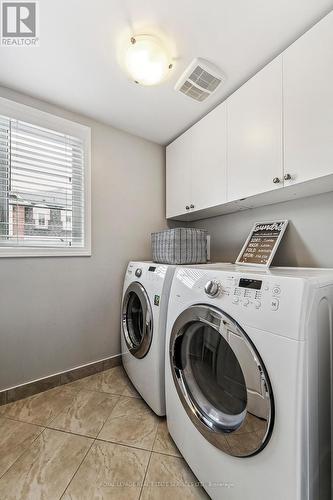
(147,60)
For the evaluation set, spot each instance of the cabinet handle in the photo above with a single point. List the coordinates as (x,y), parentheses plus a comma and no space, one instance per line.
(276,180)
(191,206)
(287,177)
(187,207)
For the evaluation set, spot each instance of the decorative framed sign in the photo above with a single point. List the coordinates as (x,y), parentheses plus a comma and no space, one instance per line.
(262,243)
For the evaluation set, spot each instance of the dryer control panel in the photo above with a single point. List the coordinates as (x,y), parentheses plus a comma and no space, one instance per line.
(247,292)
(250,291)
(263,300)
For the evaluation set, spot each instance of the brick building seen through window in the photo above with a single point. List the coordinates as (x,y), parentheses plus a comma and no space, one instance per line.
(33,219)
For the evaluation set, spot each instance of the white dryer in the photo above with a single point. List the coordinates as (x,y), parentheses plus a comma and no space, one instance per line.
(248,370)
(143,321)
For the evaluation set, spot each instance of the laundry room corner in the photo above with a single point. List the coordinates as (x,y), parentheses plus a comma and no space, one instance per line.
(67,309)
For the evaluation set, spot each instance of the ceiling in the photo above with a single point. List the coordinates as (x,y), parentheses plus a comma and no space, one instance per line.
(77,65)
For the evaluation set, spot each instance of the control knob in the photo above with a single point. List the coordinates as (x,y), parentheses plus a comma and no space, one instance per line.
(138,272)
(212,288)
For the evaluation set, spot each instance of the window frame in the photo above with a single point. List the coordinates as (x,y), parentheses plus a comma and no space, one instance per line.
(40,118)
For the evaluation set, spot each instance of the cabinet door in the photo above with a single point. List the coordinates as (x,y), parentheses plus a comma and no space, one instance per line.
(178,178)
(255,134)
(209,160)
(308,104)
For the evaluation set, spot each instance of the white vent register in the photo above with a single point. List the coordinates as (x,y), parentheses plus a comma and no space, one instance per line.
(200,80)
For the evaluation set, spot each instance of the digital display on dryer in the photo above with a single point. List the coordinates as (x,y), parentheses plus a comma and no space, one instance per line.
(152,269)
(248,283)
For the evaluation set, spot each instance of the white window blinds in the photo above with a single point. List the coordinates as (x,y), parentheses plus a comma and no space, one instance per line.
(41,186)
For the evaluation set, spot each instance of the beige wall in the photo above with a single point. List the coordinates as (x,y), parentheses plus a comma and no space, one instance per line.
(307,242)
(58,313)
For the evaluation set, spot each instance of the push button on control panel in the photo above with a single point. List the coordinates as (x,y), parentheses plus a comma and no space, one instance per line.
(275,304)
(276,290)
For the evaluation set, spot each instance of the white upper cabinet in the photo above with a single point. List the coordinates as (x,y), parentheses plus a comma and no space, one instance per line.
(209,160)
(308,104)
(178,166)
(270,141)
(255,134)
(196,166)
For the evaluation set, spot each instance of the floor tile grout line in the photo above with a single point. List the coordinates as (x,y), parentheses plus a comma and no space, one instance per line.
(57,415)
(151,452)
(103,392)
(145,475)
(97,438)
(49,428)
(71,433)
(4,415)
(152,448)
(72,402)
(107,419)
(83,435)
(22,421)
(167,454)
(123,444)
(100,439)
(23,453)
(77,470)
(161,452)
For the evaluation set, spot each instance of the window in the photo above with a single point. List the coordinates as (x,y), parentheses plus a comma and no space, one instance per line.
(41,221)
(66,220)
(44,183)
(41,217)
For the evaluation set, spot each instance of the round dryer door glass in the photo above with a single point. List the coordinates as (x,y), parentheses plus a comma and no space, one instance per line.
(137,320)
(221,381)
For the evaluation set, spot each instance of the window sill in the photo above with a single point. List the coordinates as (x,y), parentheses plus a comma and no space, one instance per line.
(44,252)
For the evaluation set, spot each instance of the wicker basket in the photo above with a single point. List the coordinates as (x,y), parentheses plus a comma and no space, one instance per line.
(180,246)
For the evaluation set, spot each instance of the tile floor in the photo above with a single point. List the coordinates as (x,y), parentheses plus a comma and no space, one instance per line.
(92,439)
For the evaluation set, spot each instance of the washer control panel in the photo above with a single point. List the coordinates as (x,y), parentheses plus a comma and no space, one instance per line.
(246,292)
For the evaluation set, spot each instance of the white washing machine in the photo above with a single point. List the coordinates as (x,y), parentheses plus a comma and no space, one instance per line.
(144,310)
(248,371)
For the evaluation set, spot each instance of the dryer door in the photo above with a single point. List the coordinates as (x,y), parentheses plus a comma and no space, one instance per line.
(137,320)
(221,381)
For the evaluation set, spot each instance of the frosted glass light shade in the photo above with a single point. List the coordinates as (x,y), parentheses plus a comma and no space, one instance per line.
(147,60)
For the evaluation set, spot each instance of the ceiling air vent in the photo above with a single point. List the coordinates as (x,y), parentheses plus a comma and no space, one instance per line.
(200,80)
